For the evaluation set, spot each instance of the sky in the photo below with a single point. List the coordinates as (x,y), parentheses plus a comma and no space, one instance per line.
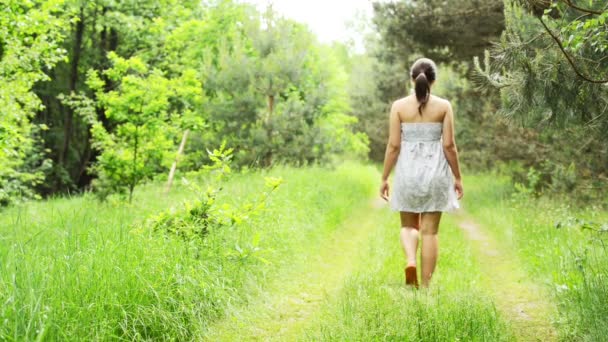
(327,18)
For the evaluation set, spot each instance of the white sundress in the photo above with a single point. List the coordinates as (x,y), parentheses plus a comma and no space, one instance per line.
(423,180)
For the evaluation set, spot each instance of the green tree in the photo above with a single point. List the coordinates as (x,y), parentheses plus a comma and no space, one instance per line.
(98,27)
(167,73)
(551,69)
(30,34)
(269,88)
(140,109)
(446,31)
(279,65)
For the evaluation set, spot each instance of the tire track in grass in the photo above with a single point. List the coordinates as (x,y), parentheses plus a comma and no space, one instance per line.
(523,303)
(291,301)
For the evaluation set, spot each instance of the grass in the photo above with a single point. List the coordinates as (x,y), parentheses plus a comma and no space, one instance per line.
(572,263)
(72,269)
(319,263)
(294,296)
(374,305)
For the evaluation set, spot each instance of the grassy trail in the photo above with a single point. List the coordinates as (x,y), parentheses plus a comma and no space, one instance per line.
(323,263)
(295,297)
(522,302)
(291,302)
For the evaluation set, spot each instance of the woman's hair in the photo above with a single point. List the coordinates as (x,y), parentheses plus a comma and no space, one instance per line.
(423,72)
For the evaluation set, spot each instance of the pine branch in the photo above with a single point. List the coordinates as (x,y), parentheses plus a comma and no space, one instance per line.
(430,13)
(580,9)
(568,57)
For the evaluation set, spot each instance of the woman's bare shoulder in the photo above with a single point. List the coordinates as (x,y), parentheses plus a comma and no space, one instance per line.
(403,99)
(441,103)
(400,103)
(440,100)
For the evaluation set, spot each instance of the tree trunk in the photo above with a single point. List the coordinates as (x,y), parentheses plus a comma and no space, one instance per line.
(182,145)
(268,156)
(84,178)
(270,107)
(134,179)
(76,51)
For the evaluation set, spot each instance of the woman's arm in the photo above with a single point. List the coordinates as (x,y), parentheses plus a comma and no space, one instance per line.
(392,149)
(450,150)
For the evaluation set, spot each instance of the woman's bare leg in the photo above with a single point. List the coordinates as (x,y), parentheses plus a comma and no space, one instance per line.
(429,227)
(410,224)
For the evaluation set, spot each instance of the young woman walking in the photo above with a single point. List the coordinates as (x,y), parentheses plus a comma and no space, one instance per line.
(427,181)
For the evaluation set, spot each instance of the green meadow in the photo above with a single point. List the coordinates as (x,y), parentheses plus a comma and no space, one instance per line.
(320,261)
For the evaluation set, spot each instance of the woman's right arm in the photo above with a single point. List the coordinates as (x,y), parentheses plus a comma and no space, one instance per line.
(392,150)
(450,150)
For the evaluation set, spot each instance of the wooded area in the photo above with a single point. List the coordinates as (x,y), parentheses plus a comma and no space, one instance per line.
(100,95)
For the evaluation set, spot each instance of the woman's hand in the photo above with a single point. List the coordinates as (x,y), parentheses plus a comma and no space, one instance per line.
(458,188)
(384,190)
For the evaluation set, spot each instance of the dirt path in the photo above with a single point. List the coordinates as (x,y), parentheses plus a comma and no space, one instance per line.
(292,301)
(523,303)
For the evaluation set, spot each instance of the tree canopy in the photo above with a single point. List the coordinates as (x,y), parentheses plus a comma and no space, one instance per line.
(107,90)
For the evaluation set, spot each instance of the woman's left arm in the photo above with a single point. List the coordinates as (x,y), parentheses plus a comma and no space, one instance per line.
(392,150)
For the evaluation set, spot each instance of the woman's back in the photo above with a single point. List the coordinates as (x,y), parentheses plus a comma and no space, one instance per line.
(434,110)
(423,180)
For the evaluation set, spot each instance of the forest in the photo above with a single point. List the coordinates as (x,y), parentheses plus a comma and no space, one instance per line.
(168,168)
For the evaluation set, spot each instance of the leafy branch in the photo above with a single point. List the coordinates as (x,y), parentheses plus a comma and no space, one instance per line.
(568,57)
(584,10)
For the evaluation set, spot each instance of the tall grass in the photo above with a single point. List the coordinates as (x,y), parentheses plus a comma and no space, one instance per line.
(557,245)
(75,269)
(374,305)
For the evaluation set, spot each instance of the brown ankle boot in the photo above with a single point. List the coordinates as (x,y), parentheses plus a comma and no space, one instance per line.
(411,278)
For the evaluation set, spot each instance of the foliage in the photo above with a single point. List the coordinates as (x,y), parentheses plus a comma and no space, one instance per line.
(558,243)
(139,110)
(213,71)
(545,67)
(30,37)
(538,85)
(197,218)
(446,31)
(74,267)
(287,99)
(97,28)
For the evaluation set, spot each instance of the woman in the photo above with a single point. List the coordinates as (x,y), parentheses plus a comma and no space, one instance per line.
(427,174)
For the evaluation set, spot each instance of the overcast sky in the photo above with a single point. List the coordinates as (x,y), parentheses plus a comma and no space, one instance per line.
(327,18)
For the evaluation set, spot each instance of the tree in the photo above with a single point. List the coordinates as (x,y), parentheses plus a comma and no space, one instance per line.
(279,65)
(98,27)
(143,73)
(551,69)
(139,110)
(446,31)
(30,34)
(267,89)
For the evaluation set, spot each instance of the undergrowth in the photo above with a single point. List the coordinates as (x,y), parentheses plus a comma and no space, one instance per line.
(559,243)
